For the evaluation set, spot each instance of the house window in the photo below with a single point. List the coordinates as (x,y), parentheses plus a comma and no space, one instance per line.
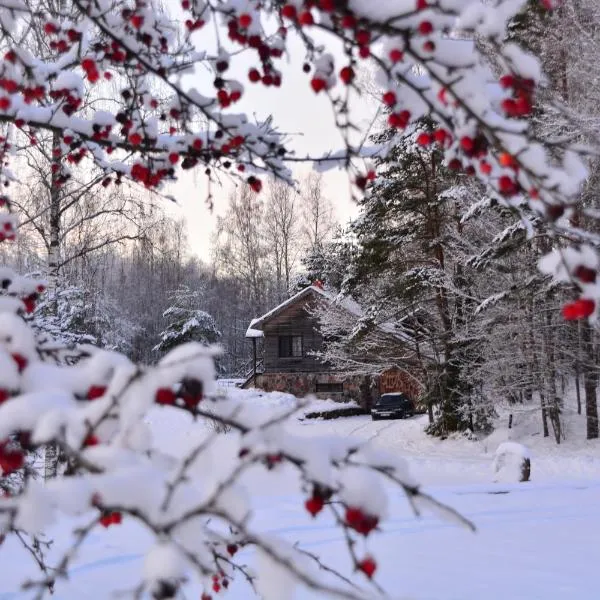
(290,346)
(330,388)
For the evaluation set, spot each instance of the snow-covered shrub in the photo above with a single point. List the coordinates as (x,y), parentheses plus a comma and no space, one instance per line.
(512,462)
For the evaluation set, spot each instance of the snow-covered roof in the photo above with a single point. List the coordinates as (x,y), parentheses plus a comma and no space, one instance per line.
(253,333)
(345,302)
(255,324)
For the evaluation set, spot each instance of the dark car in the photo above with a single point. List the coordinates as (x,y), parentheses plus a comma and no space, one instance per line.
(392,406)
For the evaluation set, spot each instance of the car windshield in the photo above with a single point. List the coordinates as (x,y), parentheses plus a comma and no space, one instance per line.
(394,400)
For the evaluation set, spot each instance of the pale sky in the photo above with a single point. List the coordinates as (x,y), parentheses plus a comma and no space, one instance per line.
(298,111)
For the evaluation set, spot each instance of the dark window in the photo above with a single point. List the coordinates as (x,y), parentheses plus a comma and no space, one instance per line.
(330,388)
(290,346)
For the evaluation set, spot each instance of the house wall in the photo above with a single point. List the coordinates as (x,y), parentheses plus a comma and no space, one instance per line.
(295,320)
(399,380)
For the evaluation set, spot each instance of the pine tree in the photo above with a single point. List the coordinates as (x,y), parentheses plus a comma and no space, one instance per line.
(187,321)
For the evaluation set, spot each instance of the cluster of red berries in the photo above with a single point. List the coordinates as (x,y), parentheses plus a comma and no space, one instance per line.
(190,393)
(91,70)
(7,231)
(71,100)
(30,300)
(144,175)
(12,457)
(219,581)
(111,518)
(360,521)
(521,102)
(62,40)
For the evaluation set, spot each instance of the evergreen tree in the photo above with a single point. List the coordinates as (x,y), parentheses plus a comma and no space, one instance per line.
(187,321)
(408,268)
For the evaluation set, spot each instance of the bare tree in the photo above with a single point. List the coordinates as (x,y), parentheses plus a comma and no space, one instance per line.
(282,233)
(319,219)
(240,246)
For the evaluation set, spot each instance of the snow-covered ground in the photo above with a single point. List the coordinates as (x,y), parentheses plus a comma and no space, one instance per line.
(534,540)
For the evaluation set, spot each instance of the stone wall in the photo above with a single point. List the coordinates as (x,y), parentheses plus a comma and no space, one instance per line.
(360,388)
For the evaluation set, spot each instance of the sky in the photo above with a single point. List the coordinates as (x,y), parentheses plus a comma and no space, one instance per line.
(297,111)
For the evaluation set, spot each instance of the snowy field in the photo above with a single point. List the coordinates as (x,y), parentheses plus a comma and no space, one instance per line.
(534,540)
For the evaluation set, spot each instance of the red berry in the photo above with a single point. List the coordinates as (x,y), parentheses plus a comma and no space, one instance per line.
(245,20)
(327,5)
(255,184)
(135,139)
(509,106)
(507,185)
(580,309)
(389,98)
(467,144)
(425,27)
(50,28)
(429,46)
(289,11)
(368,566)
(585,274)
(314,505)
(96,391)
(347,75)
(440,136)
(87,64)
(232,549)
(424,139)
(11,459)
(485,167)
(507,81)
(165,396)
(4,395)
(555,211)
(421,4)
(137,21)
(364,51)
(20,360)
(362,37)
(223,98)
(348,22)
(396,55)
(254,75)
(306,18)
(173,158)
(506,160)
(91,440)
(318,84)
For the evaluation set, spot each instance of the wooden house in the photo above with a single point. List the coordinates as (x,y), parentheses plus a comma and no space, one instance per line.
(289,336)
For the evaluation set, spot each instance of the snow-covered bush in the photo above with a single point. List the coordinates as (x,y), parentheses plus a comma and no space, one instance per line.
(159,122)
